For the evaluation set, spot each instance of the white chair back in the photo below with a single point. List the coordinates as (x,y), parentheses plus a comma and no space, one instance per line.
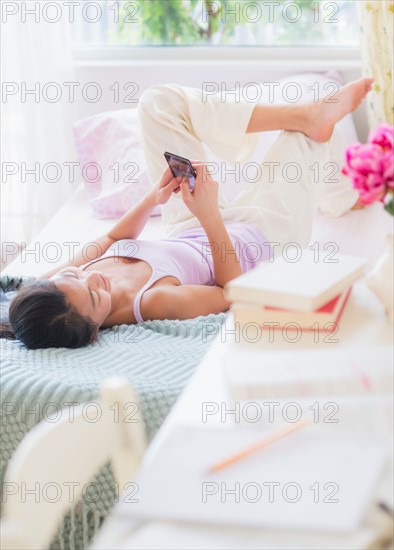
(54,456)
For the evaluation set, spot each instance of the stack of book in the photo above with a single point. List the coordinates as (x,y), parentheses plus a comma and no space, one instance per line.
(306,294)
(309,296)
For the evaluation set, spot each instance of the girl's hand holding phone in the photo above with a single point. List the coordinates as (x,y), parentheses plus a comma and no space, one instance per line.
(163,190)
(203,200)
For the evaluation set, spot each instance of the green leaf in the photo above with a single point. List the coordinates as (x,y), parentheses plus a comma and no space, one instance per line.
(389,207)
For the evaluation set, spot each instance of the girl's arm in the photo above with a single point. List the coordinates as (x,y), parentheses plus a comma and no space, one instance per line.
(91,251)
(226,263)
(133,222)
(129,226)
(203,203)
(182,301)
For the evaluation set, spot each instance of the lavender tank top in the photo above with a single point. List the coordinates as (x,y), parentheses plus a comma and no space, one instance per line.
(189,257)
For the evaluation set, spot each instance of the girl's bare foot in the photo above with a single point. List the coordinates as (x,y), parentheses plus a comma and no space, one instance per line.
(322,116)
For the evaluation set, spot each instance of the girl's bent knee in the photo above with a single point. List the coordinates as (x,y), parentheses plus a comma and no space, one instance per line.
(155,98)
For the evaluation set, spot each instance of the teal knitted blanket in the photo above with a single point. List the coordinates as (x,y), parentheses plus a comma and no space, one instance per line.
(156,357)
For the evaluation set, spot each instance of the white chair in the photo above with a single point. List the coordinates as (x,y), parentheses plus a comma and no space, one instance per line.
(74,448)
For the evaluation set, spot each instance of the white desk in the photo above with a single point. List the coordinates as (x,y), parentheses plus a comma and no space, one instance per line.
(363,325)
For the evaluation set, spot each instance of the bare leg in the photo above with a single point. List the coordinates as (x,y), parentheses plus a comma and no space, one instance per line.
(315,120)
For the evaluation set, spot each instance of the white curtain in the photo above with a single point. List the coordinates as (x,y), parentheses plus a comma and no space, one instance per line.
(376,21)
(35,55)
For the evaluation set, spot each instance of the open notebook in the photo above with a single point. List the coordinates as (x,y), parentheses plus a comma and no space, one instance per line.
(306,481)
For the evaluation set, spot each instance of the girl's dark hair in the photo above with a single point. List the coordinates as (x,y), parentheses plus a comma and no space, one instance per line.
(40,317)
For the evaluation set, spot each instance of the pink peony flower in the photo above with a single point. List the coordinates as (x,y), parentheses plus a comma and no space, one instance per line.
(369,168)
(388,165)
(383,135)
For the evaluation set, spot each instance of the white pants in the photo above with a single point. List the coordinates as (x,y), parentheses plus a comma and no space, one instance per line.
(284,198)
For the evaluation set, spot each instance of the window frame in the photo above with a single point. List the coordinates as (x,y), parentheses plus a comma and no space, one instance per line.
(268,56)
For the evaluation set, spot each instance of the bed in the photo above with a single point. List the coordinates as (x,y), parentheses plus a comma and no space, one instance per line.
(157,357)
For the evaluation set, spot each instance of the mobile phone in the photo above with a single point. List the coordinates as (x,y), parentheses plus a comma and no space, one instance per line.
(181,167)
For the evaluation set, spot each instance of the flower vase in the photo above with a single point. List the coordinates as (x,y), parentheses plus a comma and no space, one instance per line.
(381,279)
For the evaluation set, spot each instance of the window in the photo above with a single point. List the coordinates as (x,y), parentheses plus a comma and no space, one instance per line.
(215,22)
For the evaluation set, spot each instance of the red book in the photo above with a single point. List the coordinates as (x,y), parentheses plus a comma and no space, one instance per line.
(327,316)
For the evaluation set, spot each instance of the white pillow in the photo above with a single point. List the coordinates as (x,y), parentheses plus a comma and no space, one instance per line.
(113,166)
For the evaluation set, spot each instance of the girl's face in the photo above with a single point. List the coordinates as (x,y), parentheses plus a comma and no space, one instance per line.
(89,292)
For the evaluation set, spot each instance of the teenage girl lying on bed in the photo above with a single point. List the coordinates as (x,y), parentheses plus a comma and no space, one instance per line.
(210,241)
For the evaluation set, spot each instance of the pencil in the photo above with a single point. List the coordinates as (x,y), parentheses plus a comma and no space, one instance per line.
(267,440)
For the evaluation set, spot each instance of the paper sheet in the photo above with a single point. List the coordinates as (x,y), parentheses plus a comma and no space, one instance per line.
(305,481)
